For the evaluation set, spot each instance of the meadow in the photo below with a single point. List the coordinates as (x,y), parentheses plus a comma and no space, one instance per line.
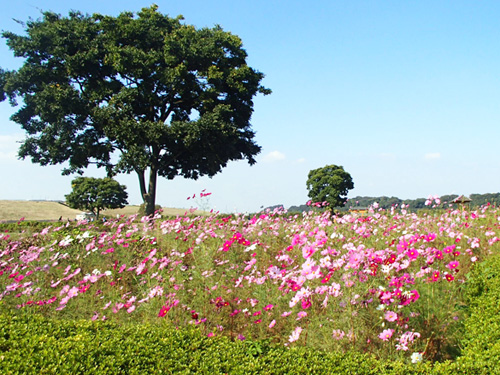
(388,283)
(13,210)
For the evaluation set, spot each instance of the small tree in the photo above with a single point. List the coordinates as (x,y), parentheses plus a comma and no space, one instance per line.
(96,194)
(329,184)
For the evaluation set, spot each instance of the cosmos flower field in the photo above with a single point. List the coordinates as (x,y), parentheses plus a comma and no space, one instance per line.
(387,282)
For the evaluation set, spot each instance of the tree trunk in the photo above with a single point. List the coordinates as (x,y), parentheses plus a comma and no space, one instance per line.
(149,194)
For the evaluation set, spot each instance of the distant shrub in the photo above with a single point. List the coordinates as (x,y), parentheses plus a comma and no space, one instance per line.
(142,209)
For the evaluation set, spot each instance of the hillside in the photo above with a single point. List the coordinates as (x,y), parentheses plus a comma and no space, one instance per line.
(52,211)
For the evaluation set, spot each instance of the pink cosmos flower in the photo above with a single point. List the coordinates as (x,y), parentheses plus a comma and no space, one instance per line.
(295,334)
(271,325)
(73,292)
(453,265)
(301,314)
(390,316)
(386,334)
(338,334)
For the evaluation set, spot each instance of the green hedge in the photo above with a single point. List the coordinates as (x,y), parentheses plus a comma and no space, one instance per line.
(37,345)
(482,328)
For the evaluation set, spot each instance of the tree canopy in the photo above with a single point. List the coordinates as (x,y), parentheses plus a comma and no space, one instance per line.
(133,93)
(96,194)
(329,184)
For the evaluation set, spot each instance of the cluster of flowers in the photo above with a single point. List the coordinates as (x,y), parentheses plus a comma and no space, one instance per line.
(365,279)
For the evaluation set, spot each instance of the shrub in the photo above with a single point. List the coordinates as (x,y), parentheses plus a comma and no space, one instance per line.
(142,209)
(482,335)
(35,344)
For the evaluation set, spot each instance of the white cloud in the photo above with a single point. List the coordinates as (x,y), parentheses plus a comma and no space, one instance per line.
(432,156)
(273,156)
(301,160)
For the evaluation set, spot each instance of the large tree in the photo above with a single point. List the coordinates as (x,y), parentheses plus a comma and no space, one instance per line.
(133,93)
(329,184)
(96,194)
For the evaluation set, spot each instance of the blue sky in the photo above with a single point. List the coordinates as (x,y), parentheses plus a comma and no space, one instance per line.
(405,95)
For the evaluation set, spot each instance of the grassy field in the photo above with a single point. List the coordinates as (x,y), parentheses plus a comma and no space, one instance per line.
(52,211)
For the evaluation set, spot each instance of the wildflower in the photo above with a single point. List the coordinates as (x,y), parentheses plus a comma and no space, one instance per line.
(268,307)
(84,288)
(326,278)
(338,334)
(306,303)
(271,325)
(163,311)
(301,314)
(295,334)
(453,265)
(435,276)
(414,295)
(390,316)
(412,254)
(449,277)
(386,334)
(73,292)
(416,357)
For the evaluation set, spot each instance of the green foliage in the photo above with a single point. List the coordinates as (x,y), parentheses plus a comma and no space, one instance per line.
(96,194)
(419,203)
(482,339)
(32,344)
(480,199)
(163,95)
(22,226)
(329,184)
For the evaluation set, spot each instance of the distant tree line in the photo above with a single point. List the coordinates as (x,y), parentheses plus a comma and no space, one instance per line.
(413,204)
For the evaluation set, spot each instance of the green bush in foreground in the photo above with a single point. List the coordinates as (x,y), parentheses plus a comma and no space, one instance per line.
(482,328)
(37,345)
